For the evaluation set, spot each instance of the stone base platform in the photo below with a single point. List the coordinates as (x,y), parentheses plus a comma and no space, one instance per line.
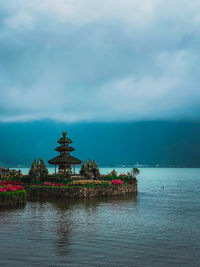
(55,192)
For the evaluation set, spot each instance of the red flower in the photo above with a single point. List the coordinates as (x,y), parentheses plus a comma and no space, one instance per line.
(7,182)
(51,184)
(117,182)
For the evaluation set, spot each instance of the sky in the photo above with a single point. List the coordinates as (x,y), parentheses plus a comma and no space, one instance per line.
(99,61)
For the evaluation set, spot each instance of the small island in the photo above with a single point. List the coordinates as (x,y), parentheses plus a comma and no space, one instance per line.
(15,187)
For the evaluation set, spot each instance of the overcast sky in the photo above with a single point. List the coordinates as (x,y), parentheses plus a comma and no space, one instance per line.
(99,60)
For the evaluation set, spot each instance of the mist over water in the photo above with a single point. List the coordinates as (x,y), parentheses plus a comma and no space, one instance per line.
(154,228)
(166,143)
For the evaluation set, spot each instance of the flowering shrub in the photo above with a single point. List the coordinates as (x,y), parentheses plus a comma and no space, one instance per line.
(7,182)
(90,183)
(117,182)
(12,195)
(11,188)
(60,178)
(6,186)
(123,175)
(51,184)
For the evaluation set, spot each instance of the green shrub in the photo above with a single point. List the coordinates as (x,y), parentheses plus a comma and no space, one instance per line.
(5,196)
(58,178)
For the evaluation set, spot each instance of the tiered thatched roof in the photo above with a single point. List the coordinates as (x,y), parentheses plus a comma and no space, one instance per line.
(65,160)
(64,148)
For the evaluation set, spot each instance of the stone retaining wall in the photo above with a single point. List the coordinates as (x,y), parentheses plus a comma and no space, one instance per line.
(79,192)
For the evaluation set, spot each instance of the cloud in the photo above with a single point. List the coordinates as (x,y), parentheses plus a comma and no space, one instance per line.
(91,60)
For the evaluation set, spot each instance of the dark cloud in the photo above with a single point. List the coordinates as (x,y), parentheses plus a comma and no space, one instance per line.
(99,60)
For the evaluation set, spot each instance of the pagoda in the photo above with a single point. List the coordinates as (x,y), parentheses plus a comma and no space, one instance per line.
(65,160)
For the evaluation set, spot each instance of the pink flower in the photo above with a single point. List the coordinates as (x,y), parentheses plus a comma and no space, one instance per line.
(7,182)
(11,188)
(48,183)
(2,189)
(117,182)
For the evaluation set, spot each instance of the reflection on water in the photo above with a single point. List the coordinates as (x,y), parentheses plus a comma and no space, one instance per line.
(86,211)
(53,231)
(154,228)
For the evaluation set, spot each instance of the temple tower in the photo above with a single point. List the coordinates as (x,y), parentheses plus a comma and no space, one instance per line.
(64,161)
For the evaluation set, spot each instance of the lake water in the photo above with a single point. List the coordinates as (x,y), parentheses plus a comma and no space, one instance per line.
(155,228)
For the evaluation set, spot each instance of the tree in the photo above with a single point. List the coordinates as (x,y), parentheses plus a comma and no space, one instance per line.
(90,169)
(84,169)
(38,170)
(33,169)
(95,169)
(43,170)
